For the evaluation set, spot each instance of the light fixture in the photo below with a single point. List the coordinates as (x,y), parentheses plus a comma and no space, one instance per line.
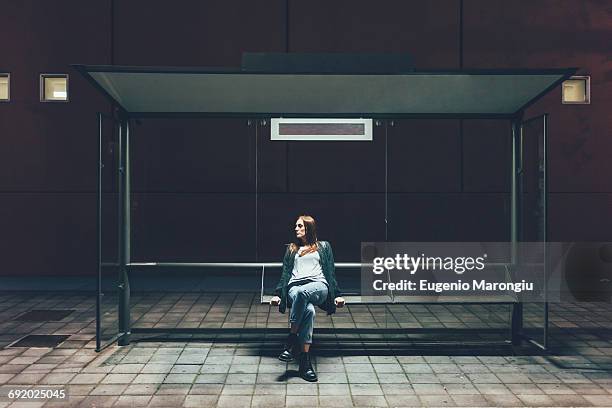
(5,82)
(576,90)
(323,129)
(54,88)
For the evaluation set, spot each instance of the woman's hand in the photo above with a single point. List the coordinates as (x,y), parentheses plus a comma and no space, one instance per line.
(339,301)
(275,301)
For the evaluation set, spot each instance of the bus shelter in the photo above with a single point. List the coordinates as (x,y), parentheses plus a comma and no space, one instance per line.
(163,92)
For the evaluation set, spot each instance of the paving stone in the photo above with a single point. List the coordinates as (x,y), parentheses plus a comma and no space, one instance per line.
(429,389)
(358,368)
(127,401)
(238,389)
(599,400)
(241,379)
(109,389)
(362,378)
(536,400)
(365,389)
(392,378)
(417,369)
(403,400)
(234,401)
(166,401)
(210,378)
(423,378)
(370,401)
(118,378)
(206,389)
(173,389)
(156,368)
(87,378)
(475,400)
(503,400)
(436,401)
(302,389)
(141,389)
(149,378)
(268,401)
(570,401)
(99,401)
(335,401)
(200,401)
(332,378)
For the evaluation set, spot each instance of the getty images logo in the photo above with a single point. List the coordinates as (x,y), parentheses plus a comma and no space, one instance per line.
(405,262)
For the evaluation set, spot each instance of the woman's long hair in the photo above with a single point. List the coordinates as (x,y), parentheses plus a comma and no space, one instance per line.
(310,236)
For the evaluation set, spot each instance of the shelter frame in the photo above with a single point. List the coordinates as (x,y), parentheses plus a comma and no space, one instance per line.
(125,263)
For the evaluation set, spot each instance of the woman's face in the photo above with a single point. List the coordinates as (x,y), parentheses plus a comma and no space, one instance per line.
(300,230)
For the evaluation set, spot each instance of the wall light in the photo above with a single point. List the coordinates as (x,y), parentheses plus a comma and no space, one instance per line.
(576,90)
(54,88)
(5,86)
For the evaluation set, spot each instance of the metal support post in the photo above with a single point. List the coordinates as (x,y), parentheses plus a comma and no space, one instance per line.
(515,221)
(124,233)
(99,236)
(545,224)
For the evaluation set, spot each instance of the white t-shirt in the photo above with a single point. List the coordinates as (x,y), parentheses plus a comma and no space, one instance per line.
(307,267)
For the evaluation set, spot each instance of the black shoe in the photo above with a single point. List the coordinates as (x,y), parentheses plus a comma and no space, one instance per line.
(306,370)
(290,348)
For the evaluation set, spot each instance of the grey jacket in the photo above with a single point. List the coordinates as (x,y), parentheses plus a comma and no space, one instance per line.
(329,271)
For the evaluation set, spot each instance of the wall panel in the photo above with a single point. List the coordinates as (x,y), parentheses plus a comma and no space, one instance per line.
(193,155)
(449,217)
(48,233)
(550,34)
(428,30)
(196,33)
(424,156)
(51,146)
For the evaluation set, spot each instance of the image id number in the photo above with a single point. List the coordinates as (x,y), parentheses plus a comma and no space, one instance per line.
(37,394)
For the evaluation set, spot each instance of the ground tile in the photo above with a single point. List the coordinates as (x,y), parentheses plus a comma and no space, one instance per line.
(167,401)
(200,401)
(128,401)
(268,401)
(599,400)
(141,389)
(335,401)
(200,389)
(308,401)
(109,389)
(99,401)
(370,401)
(475,400)
(302,389)
(503,400)
(570,401)
(238,389)
(536,400)
(365,389)
(429,389)
(436,401)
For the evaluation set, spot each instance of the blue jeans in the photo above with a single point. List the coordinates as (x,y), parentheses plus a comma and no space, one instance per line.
(303,299)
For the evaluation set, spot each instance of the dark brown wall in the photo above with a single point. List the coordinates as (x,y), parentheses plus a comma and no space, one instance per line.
(194,181)
(48,150)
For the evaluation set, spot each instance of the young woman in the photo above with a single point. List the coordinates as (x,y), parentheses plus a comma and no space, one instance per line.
(308,278)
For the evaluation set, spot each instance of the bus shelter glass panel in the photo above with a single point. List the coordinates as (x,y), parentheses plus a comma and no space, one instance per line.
(429,202)
(533,225)
(342,184)
(108,270)
(193,201)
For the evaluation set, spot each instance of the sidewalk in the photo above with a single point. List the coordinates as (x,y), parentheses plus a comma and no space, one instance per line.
(200,373)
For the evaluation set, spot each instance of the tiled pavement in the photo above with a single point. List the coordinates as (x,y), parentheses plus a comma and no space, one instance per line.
(222,372)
